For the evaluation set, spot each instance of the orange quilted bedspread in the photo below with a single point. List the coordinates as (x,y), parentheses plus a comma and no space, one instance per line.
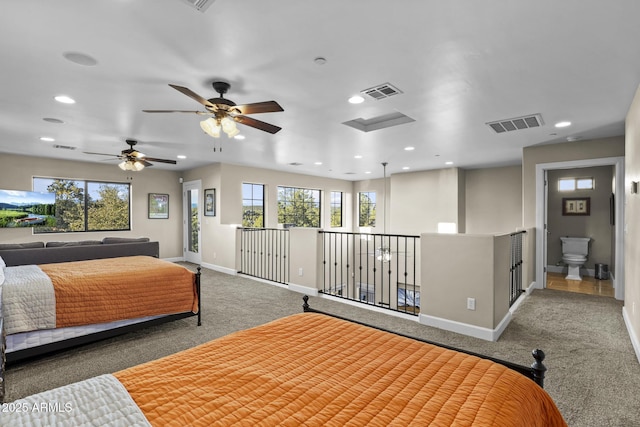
(314,370)
(106,290)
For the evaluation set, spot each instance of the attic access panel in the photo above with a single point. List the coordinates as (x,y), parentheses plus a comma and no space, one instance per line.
(380,122)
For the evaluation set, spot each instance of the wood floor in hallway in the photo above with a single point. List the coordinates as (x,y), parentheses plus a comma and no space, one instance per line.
(588,285)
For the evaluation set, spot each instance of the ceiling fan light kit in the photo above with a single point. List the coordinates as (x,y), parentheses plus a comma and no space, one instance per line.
(131,165)
(211,127)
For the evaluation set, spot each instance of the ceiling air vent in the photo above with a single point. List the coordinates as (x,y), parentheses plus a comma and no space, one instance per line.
(518,123)
(201,5)
(64,147)
(382,91)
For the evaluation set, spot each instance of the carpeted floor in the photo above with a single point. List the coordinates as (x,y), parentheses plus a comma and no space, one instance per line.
(593,373)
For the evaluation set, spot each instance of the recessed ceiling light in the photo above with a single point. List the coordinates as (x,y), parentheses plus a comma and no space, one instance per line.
(47,139)
(368,172)
(357,156)
(80,58)
(181,156)
(239,137)
(562,124)
(65,99)
(52,120)
(404,168)
(448,163)
(409,148)
(356,99)
(317,163)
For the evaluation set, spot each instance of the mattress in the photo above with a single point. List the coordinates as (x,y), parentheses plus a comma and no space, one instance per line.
(30,339)
(314,370)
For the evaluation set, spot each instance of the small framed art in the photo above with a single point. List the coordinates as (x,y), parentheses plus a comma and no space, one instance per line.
(210,202)
(576,206)
(158,206)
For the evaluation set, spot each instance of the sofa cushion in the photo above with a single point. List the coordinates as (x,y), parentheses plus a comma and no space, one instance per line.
(28,245)
(79,243)
(108,240)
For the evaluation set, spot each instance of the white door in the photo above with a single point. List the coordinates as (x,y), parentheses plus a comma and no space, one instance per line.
(192,216)
(546,231)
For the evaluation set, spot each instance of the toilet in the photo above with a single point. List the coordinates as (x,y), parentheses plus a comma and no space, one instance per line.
(574,253)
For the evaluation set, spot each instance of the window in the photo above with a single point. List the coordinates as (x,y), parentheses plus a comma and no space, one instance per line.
(573,184)
(336,208)
(87,205)
(252,205)
(298,207)
(367,209)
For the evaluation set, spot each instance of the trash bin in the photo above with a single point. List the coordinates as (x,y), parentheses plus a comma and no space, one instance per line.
(602,271)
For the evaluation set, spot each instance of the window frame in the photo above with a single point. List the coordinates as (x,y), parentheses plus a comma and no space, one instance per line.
(333,208)
(85,205)
(254,205)
(316,202)
(575,184)
(371,209)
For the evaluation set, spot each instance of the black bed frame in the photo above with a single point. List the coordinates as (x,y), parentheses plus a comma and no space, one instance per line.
(27,353)
(535,372)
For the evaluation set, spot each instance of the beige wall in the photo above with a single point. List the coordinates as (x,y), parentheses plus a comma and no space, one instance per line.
(420,200)
(17,172)
(493,200)
(632,221)
(445,286)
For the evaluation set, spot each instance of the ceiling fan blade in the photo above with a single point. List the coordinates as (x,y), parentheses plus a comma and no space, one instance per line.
(191,94)
(259,107)
(151,159)
(144,162)
(175,111)
(101,154)
(249,121)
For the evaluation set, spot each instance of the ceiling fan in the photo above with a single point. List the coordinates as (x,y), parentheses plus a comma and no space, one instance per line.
(132,159)
(225,113)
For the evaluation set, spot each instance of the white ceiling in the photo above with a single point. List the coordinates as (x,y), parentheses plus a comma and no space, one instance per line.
(459,64)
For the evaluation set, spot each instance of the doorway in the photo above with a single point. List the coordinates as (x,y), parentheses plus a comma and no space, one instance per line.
(617,217)
(192,217)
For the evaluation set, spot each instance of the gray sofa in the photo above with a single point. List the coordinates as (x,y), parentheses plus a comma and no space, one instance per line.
(53,252)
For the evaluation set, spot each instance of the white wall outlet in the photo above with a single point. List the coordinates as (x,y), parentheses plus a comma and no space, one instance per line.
(471,303)
(300,271)
(215,255)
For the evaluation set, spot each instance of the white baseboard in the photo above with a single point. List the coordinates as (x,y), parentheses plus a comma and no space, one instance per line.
(219,268)
(312,292)
(473,330)
(370,307)
(635,341)
(174,259)
(465,328)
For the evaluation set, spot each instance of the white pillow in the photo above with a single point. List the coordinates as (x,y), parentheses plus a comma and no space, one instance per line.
(2,264)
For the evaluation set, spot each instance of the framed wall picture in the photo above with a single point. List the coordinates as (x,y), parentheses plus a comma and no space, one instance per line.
(158,206)
(576,206)
(210,202)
